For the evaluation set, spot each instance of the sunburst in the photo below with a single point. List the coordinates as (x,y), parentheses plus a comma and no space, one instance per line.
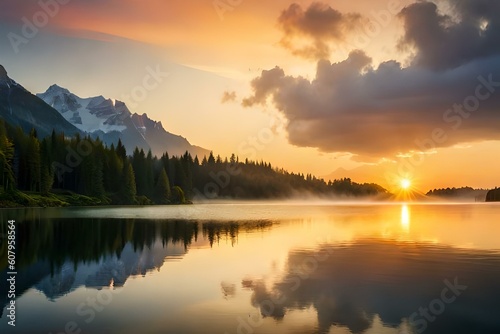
(405,184)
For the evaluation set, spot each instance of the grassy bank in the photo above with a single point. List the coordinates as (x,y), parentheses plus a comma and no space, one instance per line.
(16,199)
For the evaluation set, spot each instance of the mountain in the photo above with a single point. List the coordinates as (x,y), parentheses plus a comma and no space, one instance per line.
(111,120)
(21,108)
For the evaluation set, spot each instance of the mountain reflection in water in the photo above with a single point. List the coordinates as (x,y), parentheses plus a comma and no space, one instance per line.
(328,269)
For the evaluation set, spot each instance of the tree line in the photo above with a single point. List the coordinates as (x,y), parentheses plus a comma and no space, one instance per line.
(493,195)
(82,165)
(462,192)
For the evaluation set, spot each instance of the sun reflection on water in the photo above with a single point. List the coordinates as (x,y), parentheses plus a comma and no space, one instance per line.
(405,217)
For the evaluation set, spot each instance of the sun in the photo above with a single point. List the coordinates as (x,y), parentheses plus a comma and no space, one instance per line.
(405,184)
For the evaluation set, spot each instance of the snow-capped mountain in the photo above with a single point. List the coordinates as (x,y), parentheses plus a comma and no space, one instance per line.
(19,107)
(112,120)
(89,114)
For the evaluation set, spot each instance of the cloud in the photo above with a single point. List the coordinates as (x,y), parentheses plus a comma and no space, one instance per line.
(441,43)
(228,97)
(264,85)
(353,107)
(348,286)
(320,23)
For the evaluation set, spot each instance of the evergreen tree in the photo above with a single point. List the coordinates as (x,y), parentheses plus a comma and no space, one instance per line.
(34,162)
(46,172)
(129,190)
(113,171)
(162,189)
(120,150)
(187,172)
(140,168)
(6,159)
(179,176)
(149,175)
(97,188)
(58,149)
(178,195)
(165,162)
(173,170)
(211,159)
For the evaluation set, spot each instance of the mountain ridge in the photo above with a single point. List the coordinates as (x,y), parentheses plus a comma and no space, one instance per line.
(111,119)
(19,107)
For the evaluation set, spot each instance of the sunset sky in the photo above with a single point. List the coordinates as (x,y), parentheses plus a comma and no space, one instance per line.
(377,90)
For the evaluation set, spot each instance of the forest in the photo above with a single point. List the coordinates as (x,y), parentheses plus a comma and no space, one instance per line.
(493,195)
(463,192)
(58,170)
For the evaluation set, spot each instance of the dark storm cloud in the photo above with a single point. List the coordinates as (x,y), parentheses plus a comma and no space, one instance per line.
(441,43)
(319,23)
(351,106)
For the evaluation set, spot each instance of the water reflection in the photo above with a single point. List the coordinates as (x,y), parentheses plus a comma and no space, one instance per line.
(405,217)
(290,269)
(82,241)
(57,256)
(352,286)
(215,231)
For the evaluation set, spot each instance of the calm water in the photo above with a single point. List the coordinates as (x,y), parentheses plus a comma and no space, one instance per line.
(256,268)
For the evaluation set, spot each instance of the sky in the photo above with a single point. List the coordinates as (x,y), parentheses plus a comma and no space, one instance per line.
(375,90)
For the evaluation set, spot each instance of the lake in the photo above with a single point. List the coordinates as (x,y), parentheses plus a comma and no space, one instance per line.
(231,268)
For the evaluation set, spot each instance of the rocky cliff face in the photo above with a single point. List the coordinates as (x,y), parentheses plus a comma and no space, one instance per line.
(19,107)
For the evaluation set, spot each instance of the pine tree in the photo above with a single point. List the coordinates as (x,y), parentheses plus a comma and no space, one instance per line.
(178,195)
(149,175)
(139,166)
(34,162)
(58,149)
(187,169)
(113,171)
(211,159)
(121,151)
(129,190)
(162,190)
(46,172)
(97,188)
(165,162)
(6,159)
